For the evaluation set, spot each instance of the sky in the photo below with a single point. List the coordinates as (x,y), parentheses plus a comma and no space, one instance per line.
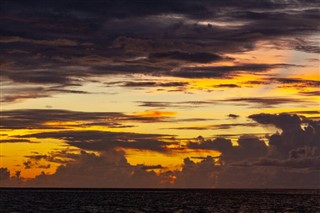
(160,94)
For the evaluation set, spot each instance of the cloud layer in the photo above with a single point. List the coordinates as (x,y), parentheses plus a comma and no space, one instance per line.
(290,160)
(64,42)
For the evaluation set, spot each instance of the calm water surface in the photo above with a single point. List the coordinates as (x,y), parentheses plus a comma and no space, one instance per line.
(94,200)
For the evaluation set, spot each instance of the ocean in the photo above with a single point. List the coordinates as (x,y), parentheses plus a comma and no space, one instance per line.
(158,200)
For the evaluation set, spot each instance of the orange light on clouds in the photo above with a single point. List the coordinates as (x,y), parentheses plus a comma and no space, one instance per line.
(155,114)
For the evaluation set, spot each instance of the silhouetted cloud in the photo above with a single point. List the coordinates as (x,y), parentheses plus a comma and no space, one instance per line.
(293,134)
(216,126)
(109,170)
(46,119)
(234,116)
(188,57)
(139,84)
(224,71)
(265,101)
(101,140)
(227,86)
(4,174)
(15,141)
(249,147)
(197,175)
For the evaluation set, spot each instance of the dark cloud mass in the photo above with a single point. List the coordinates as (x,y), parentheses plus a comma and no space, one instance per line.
(296,132)
(62,42)
(244,150)
(290,161)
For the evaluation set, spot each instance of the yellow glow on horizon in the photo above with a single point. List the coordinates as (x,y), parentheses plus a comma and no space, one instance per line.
(169,161)
(15,155)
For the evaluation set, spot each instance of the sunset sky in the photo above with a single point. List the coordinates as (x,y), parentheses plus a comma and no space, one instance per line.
(205,94)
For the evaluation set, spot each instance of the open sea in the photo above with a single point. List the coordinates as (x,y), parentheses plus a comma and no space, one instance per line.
(158,200)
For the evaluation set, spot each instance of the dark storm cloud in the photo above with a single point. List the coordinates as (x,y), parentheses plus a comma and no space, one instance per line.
(101,141)
(64,42)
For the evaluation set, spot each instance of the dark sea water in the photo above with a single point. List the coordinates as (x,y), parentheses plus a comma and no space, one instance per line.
(104,200)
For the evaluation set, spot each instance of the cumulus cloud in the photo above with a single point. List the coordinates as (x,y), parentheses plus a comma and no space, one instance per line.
(249,147)
(293,134)
(197,175)
(292,160)
(110,169)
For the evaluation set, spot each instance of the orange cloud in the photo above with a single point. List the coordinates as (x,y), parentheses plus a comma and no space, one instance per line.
(155,114)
